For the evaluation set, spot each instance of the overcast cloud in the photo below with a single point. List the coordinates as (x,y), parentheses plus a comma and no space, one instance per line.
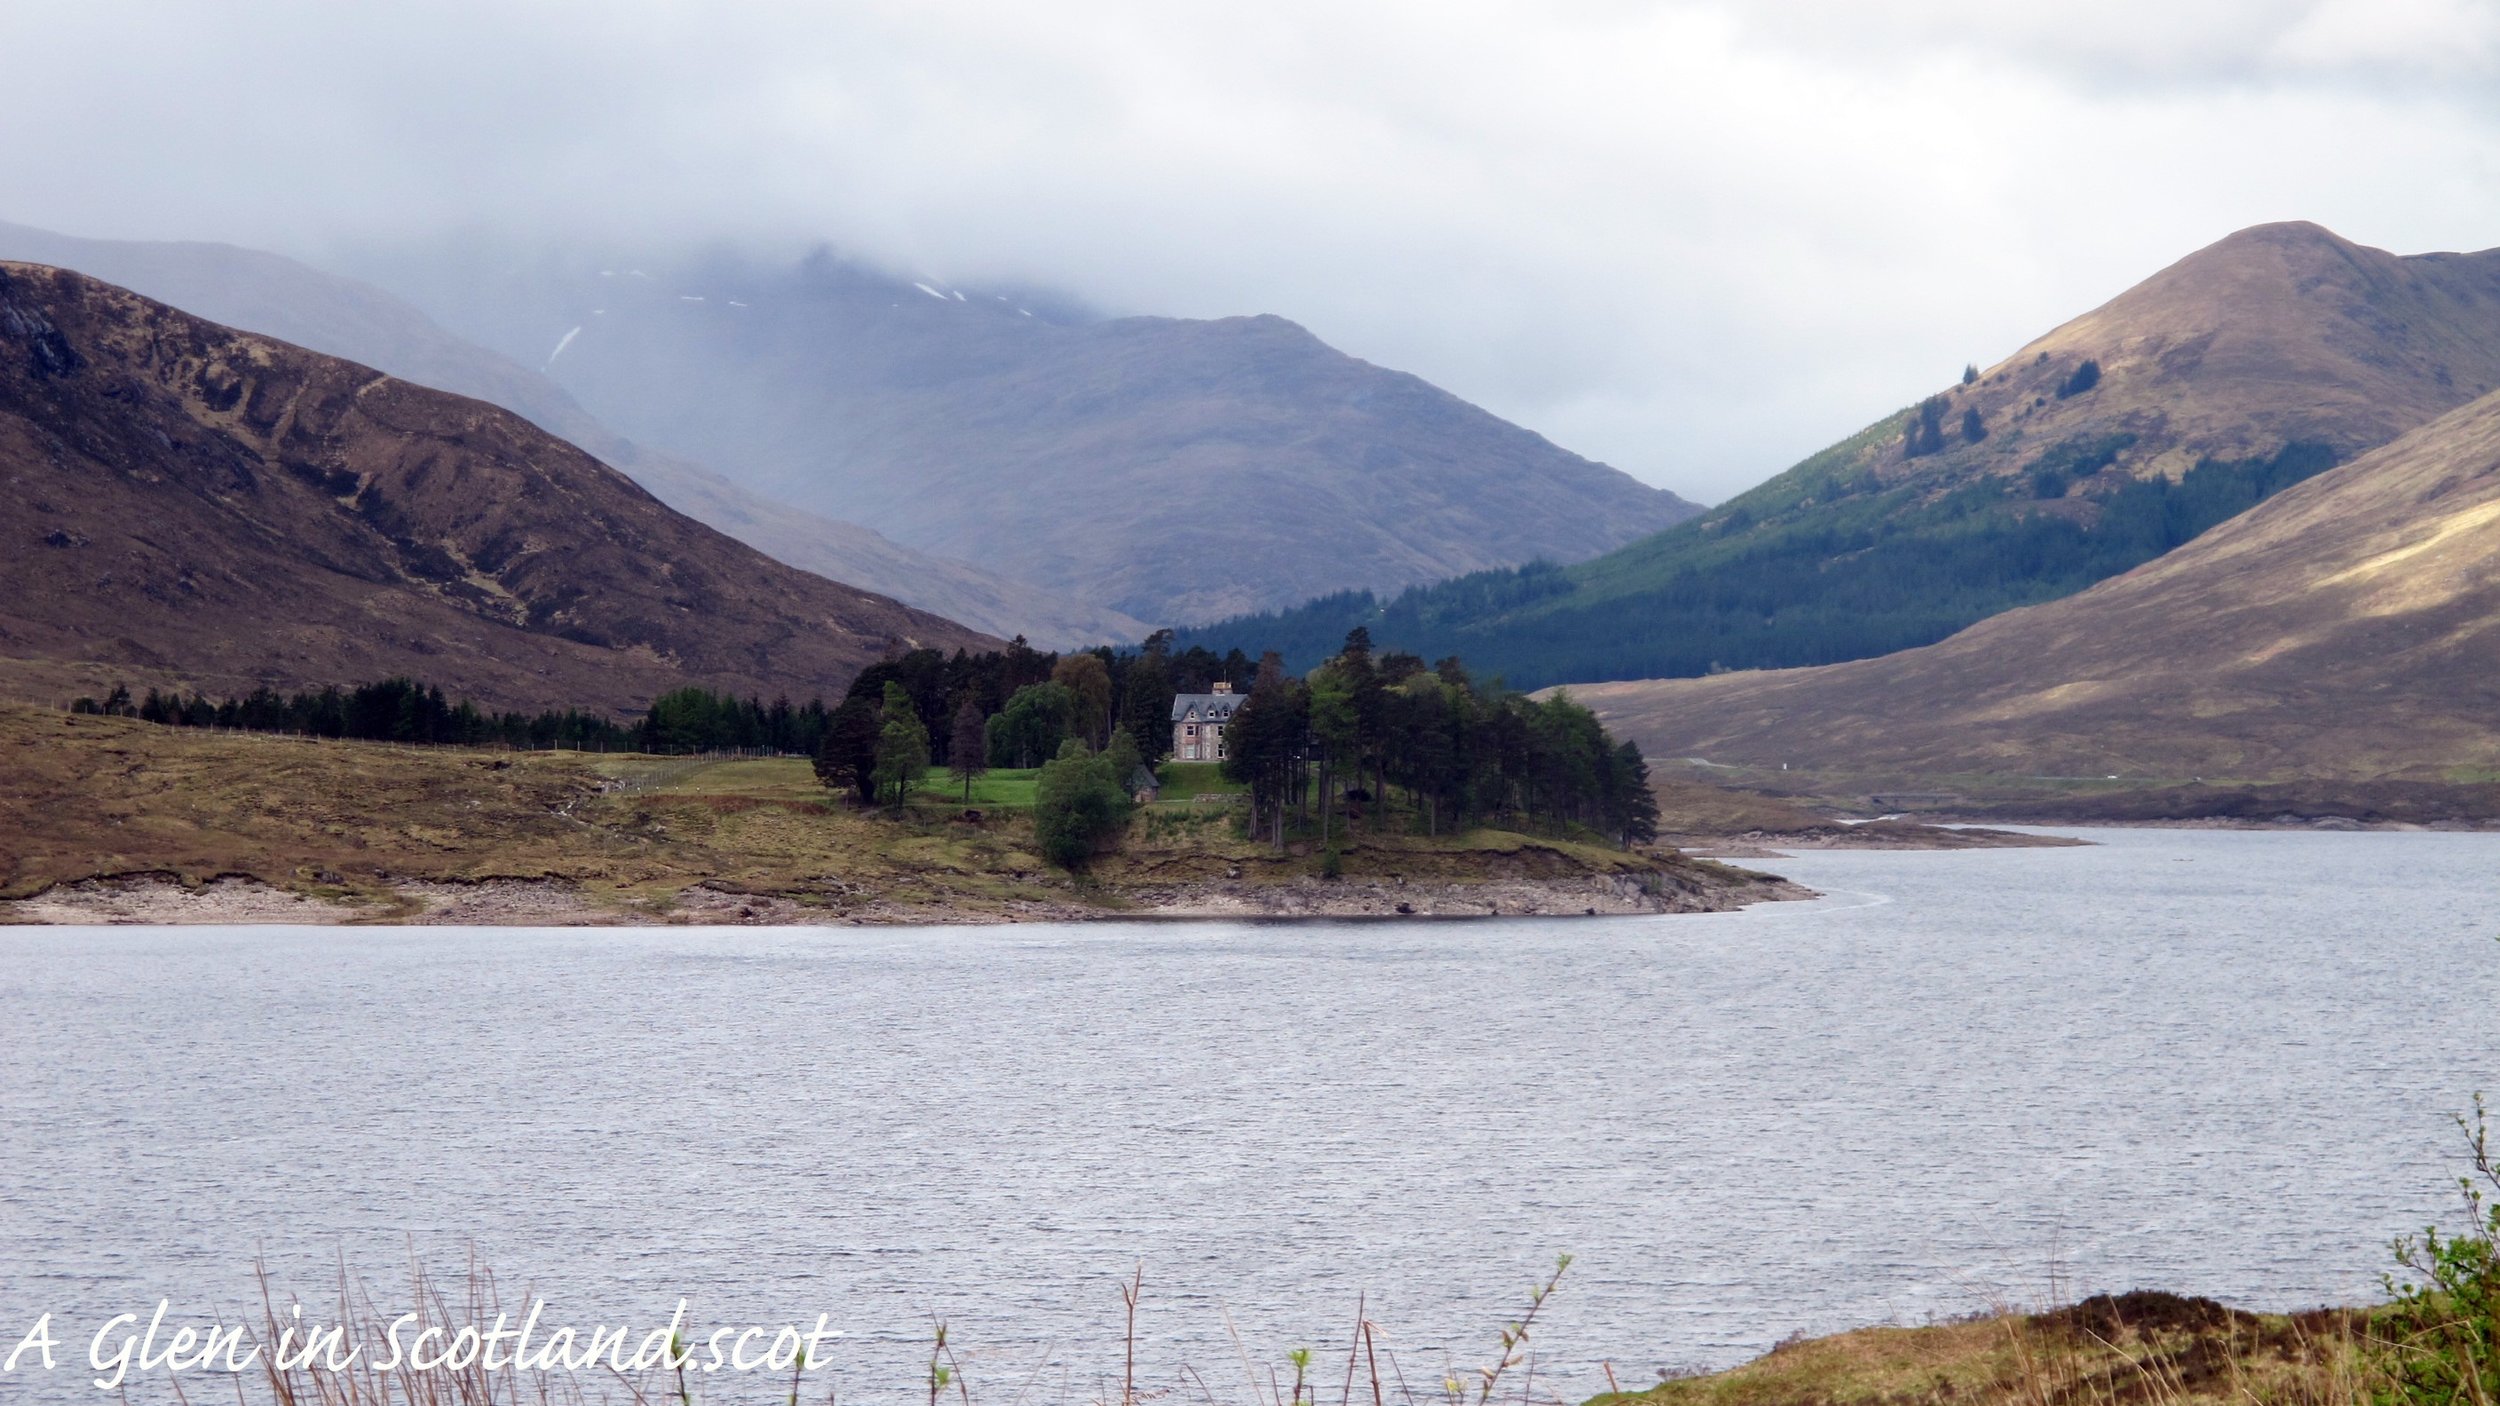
(1694,240)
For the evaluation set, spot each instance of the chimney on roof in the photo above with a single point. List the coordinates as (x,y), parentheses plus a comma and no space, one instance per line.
(1222,686)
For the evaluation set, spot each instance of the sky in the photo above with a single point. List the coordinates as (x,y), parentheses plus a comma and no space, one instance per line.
(1695,240)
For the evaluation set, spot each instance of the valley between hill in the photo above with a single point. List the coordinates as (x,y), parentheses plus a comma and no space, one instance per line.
(110,819)
(2236,373)
(2339,633)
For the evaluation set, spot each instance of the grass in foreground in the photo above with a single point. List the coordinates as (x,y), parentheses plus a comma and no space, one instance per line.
(2137,1349)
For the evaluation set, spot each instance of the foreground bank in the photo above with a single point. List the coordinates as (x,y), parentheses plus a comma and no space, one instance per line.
(2153,1348)
(108,819)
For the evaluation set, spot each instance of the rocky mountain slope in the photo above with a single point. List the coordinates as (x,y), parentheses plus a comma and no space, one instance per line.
(1175,470)
(2348,628)
(186,505)
(2234,373)
(279,297)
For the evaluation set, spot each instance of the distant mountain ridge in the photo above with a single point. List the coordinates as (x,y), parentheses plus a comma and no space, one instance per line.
(2347,629)
(190,506)
(2230,375)
(1174,470)
(279,297)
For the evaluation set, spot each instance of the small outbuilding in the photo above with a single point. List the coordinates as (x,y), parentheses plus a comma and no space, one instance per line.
(1144,787)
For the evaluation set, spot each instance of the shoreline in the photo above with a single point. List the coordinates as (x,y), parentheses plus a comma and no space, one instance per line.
(159,898)
(118,821)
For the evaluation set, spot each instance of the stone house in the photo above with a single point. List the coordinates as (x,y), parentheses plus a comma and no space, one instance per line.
(1198,721)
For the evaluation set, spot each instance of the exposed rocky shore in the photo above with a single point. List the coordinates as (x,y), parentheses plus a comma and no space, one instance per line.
(163,899)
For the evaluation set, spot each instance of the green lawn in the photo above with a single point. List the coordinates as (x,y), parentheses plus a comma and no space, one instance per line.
(1013,787)
(1182,780)
(1005,787)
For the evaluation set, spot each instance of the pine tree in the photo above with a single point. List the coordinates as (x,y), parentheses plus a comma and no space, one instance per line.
(902,746)
(847,757)
(1146,700)
(1126,761)
(1263,745)
(968,748)
(1634,809)
(1926,434)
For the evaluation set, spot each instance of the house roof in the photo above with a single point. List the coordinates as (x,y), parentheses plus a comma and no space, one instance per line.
(1144,779)
(1212,707)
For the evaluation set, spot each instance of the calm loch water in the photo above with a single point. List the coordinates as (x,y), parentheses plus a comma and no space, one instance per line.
(2213,1062)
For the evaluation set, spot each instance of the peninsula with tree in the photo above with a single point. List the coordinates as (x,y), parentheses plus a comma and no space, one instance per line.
(1002,785)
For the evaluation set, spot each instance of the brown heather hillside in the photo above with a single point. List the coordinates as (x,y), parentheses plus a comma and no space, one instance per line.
(278,297)
(186,505)
(2348,628)
(2325,340)
(2280,334)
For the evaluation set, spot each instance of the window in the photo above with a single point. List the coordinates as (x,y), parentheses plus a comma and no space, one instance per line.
(1189,730)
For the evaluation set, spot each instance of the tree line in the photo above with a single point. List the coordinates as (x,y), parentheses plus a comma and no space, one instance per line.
(1869,570)
(685,720)
(1360,728)
(1014,708)
(1053,697)
(1318,753)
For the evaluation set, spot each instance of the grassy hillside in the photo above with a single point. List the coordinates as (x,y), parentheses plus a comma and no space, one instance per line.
(2348,629)
(2243,370)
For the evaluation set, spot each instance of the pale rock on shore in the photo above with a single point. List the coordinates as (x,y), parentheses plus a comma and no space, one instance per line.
(155,899)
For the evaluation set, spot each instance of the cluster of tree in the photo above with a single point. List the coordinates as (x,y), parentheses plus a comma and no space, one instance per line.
(2083,378)
(394,710)
(1868,571)
(1926,432)
(1360,727)
(699,720)
(2073,460)
(1015,708)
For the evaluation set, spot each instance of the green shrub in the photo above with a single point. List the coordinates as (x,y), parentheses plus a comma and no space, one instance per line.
(2439,1337)
(1078,805)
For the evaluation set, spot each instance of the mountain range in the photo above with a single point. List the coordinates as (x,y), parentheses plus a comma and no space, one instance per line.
(191,506)
(293,302)
(2244,368)
(2241,522)
(2346,628)
(1171,469)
